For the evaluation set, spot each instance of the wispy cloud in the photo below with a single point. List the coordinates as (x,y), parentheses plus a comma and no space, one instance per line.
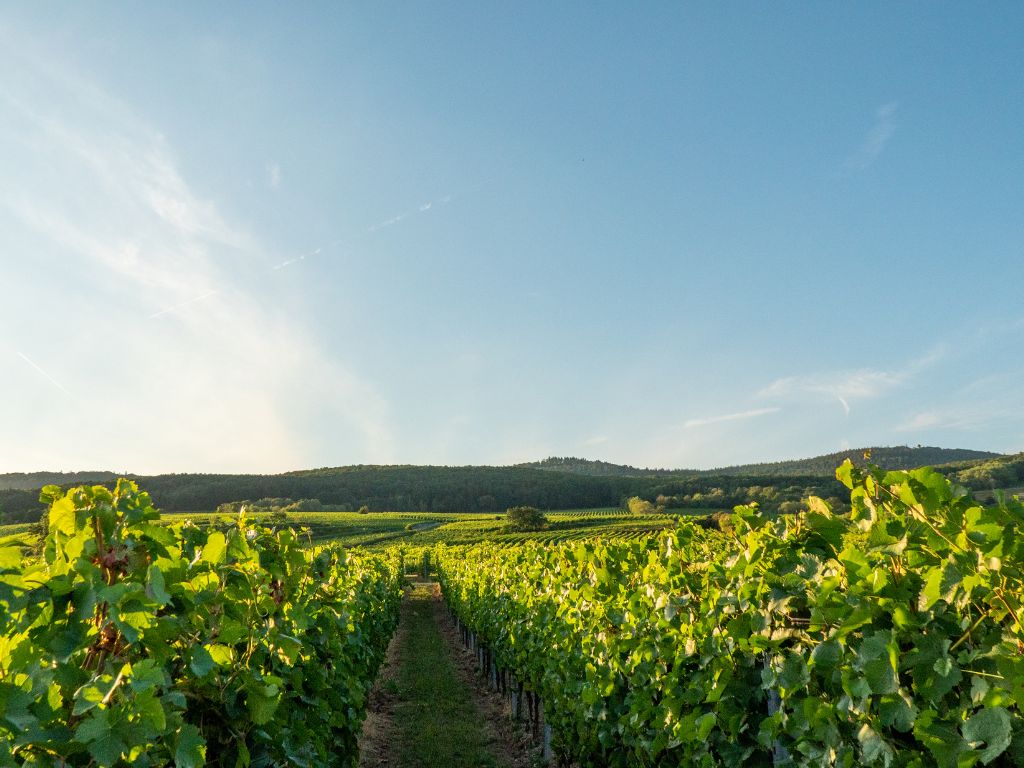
(876,139)
(596,440)
(989,402)
(921,420)
(738,416)
(847,387)
(959,418)
(229,384)
(841,386)
(273,175)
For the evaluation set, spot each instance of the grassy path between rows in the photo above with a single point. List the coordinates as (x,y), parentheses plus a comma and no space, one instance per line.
(424,710)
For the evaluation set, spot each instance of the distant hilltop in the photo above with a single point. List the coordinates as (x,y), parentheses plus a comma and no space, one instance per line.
(593,468)
(898,457)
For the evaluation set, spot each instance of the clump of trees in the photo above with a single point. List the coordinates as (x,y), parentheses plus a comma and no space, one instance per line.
(638,506)
(1004,472)
(771,499)
(525,519)
(279,506)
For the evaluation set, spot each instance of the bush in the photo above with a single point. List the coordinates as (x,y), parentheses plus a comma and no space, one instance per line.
(638,506)
(525,519)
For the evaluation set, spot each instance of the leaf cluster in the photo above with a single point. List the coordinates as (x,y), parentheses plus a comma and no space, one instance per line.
(890,636)
(133,642)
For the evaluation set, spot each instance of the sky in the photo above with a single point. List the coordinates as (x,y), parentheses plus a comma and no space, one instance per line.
(256,237)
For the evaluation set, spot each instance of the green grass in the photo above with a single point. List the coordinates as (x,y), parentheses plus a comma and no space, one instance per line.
(436,723)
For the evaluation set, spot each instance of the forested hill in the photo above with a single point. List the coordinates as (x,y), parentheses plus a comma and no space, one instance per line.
(398,488)
(552,484)
(28,481)
(597,468)
(899,457)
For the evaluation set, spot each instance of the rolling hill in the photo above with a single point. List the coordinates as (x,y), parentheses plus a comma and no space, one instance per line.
(554,483)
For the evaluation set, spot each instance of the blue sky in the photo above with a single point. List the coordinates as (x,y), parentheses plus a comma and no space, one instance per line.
(254,237)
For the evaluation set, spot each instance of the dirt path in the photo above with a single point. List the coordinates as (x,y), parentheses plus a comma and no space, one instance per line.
(428,708)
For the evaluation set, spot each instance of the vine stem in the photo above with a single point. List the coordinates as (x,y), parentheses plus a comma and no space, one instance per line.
(967,634)
(117,684)
(999,594)
(983,674)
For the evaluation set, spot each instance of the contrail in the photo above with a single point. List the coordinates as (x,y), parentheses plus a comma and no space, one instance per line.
(193,300)
(48,377)
(372,229)
(422,208)
(289,262)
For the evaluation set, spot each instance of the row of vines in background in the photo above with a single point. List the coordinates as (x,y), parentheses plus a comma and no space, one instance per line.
(134,641)
(889,637)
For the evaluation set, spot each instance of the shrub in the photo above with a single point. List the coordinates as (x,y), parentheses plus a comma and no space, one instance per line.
(525,519)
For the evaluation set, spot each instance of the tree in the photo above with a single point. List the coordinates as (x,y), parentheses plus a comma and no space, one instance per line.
(638,506)
(525,519)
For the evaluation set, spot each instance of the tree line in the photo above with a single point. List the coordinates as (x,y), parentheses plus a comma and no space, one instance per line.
(495,489)
(447,489)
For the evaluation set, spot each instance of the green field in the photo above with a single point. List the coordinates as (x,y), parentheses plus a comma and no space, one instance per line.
(378,530)
(896,624)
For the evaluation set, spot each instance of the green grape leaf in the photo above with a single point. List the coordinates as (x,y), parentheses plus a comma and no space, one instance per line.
(156,589)
(941,740)
(91,694)
(61,516)
(941,583)
(107,751)
(222,655)
(897,711)
(990,727)
(201,662)
(93,728)
(874,748)
(261,706)
(190,751)
(826,655)
(151,711)
(877,664)
(146,674)
(215,548)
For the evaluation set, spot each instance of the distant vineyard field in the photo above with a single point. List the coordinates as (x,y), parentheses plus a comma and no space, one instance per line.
(380,530)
